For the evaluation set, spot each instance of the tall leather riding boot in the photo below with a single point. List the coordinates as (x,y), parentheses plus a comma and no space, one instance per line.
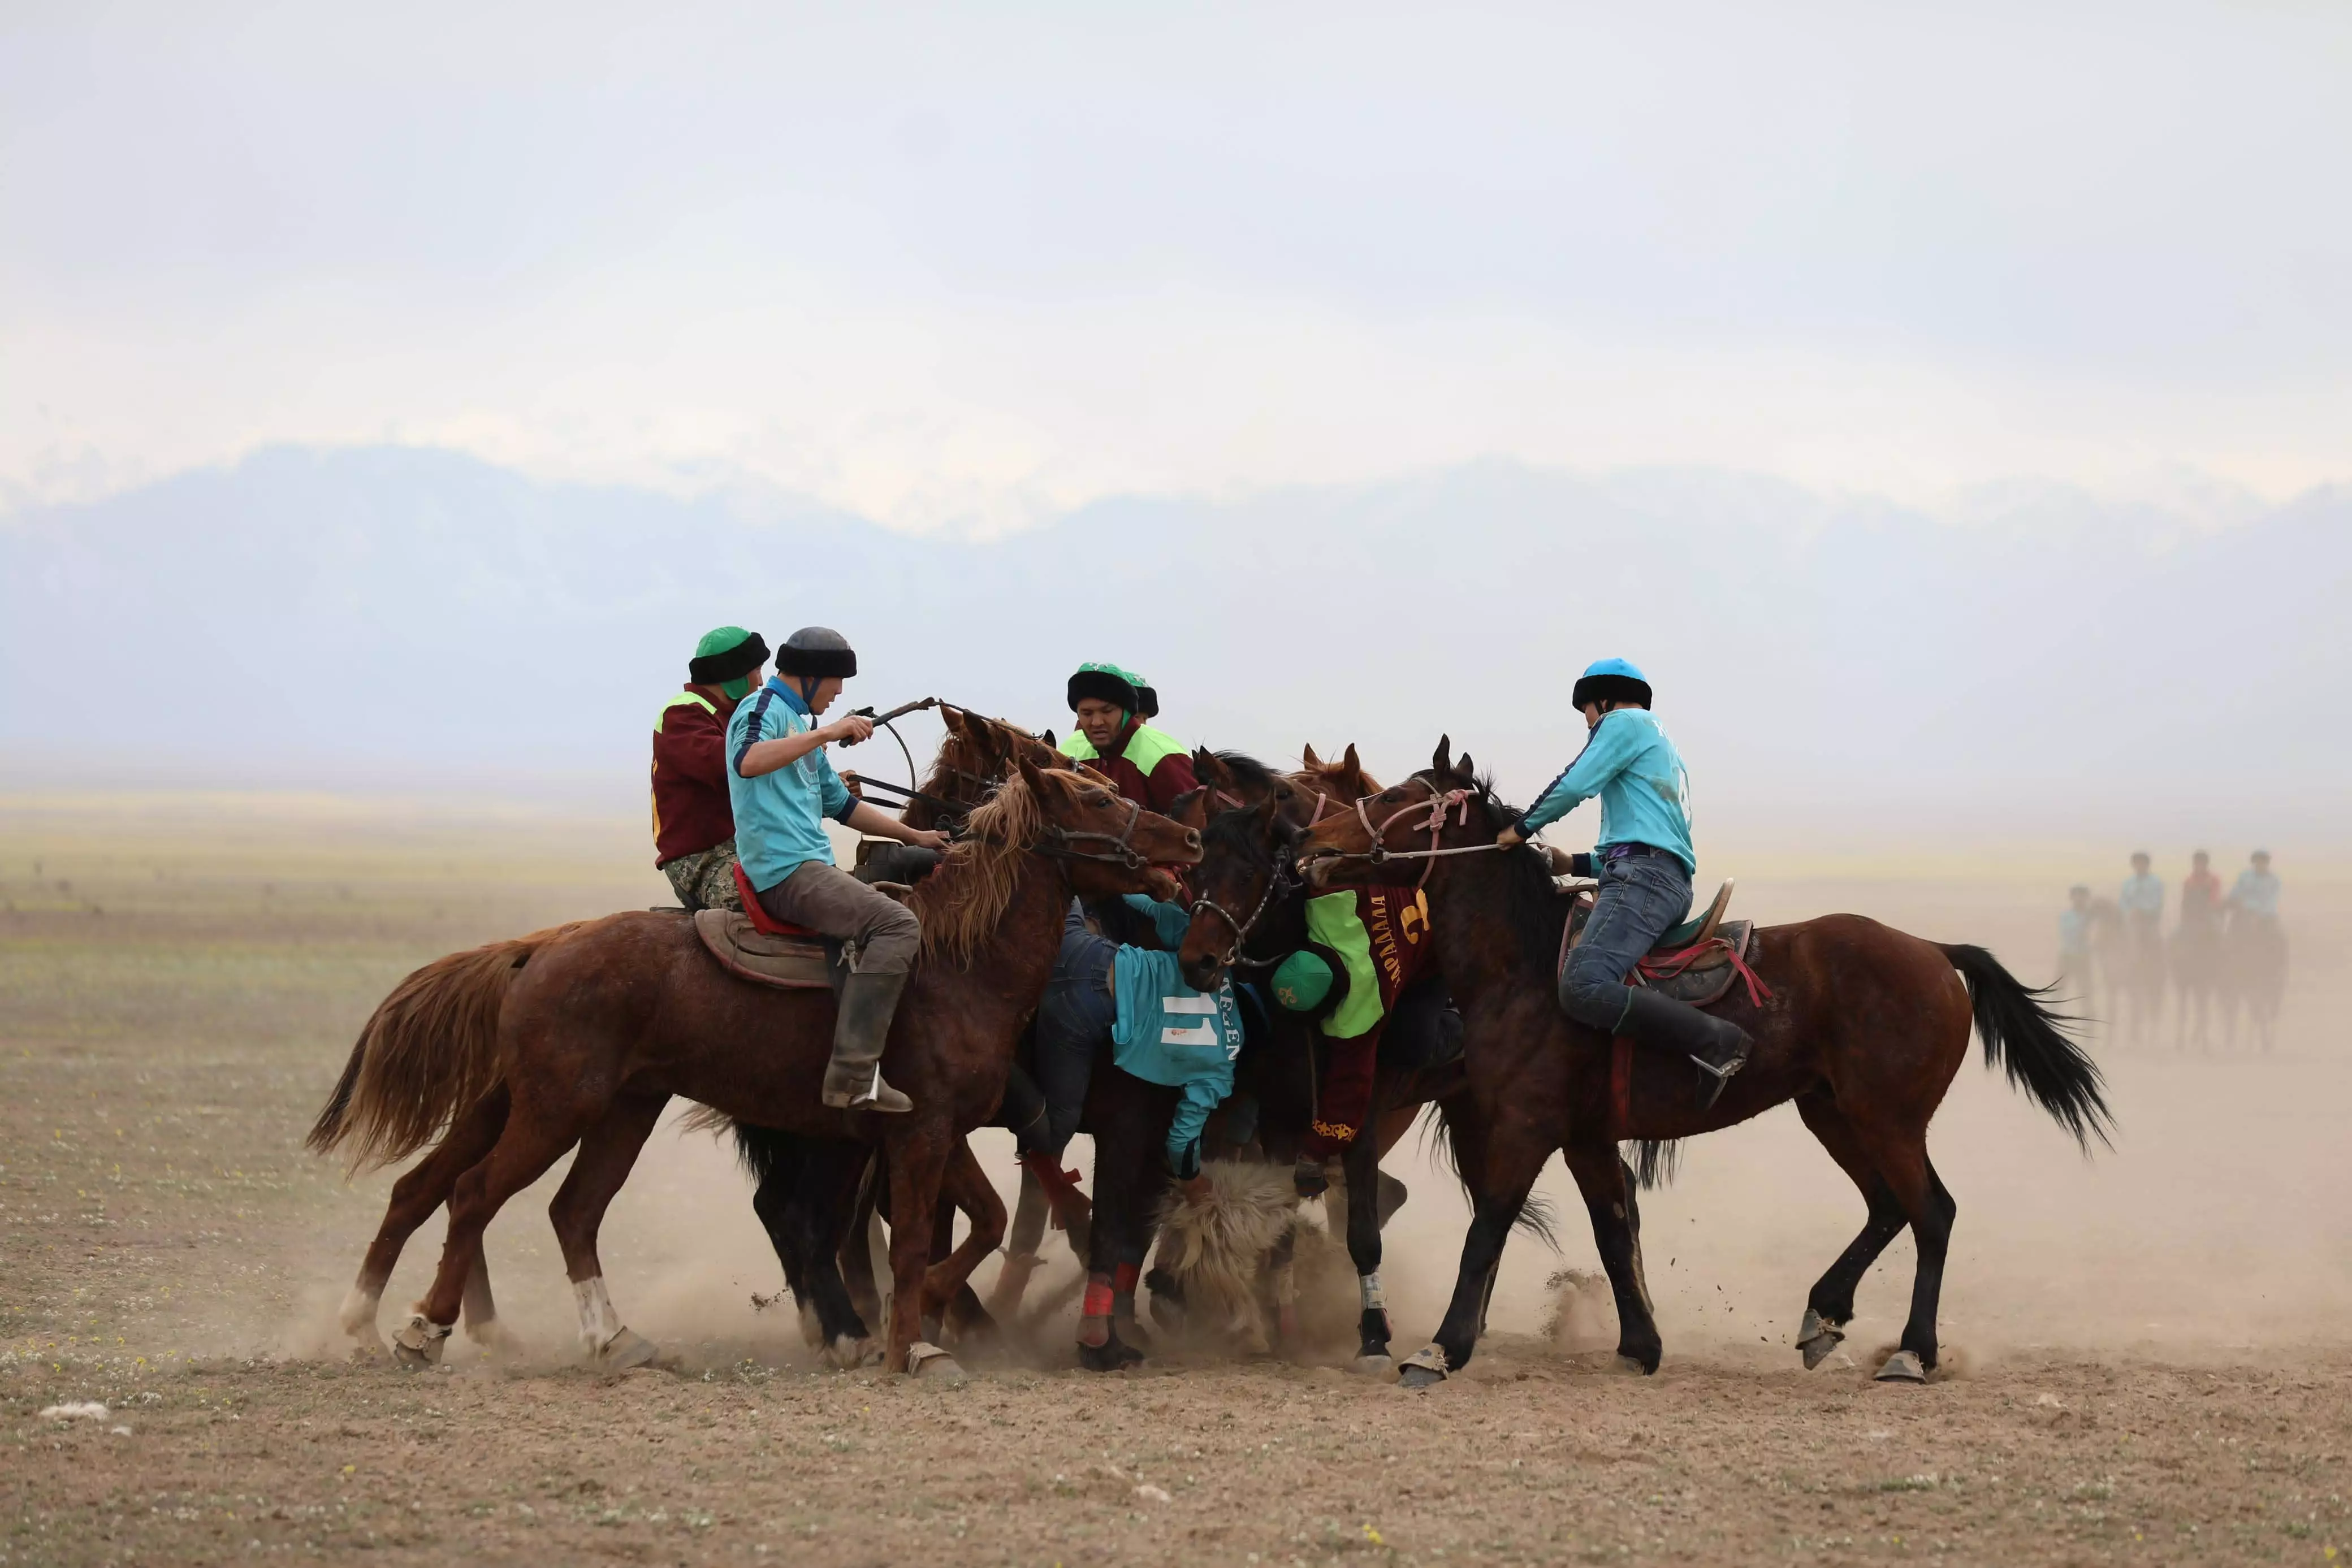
(1718,1047)
(861,1024)
(1022,1112)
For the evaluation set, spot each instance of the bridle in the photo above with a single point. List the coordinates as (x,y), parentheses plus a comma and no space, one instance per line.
(1438,806)
(1056,841)
(1277,881)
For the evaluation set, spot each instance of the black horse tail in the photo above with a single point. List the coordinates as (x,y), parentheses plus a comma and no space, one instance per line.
(2023,1036)
(1536,1216)
(768,1151)
(1655,1162)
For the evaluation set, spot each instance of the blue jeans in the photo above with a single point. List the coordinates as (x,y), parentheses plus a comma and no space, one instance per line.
(1073,1021)
(1642,897)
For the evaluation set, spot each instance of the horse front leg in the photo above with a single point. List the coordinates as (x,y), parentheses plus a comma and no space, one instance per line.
(1609,1201)
(947,1285)
(919,1158)
(1362,1167)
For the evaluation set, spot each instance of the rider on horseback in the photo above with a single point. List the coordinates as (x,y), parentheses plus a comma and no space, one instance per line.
(782,789)
(1148,764)
(694,825)
(1644,864)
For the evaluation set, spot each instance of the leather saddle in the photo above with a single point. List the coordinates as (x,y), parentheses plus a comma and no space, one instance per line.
(753,944)
(1694,963)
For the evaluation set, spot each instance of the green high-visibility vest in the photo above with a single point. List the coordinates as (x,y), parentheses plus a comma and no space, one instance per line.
(1147,748)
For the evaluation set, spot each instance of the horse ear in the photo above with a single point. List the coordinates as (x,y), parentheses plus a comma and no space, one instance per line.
(1465,770)
(1314,763)
(1048,738)
(1210,769)
(1032,776)
(1441,760)
(1348,760)
(1267,809)
(952,717)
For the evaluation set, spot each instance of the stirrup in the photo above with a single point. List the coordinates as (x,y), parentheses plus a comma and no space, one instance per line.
(1717,1077)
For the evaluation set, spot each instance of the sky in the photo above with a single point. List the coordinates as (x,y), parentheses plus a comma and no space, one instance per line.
(972,267)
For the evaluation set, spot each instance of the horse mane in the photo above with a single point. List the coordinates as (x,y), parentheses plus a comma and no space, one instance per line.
(960,902)
(1533,905)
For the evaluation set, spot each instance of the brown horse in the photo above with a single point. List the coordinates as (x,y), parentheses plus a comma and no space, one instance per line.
(1863,1026)
(800,1181)
(610,1019)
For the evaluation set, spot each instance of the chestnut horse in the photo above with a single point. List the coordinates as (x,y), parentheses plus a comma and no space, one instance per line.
(1863,1026)
(610,1018)
(801,1182)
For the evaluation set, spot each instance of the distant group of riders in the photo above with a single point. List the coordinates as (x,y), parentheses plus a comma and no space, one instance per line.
(1246,984)
(2226,952)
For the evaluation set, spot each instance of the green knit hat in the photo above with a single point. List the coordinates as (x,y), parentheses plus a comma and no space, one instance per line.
(1312,981)
(727,653)
(1105,683)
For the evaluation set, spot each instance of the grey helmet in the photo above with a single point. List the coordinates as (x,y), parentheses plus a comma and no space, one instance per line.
(817,652)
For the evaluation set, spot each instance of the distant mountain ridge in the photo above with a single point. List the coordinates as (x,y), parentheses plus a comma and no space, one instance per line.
(422,610)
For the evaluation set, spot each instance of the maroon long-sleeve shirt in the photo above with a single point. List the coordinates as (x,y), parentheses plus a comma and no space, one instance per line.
(691,812)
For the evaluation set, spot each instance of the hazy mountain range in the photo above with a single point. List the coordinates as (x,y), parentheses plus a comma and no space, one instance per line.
(411,617)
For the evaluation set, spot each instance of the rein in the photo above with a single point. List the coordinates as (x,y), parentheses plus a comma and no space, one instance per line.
(1453,801)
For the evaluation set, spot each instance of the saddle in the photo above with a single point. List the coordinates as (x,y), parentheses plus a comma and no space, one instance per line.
(753,944)
(1697,962)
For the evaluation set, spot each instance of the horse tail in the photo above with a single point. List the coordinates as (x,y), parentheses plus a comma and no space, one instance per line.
(428,1052)
(1536,1216)
(2023,1036)
(1656,1162)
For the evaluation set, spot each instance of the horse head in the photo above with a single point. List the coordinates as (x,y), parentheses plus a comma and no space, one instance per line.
(1110,844)
(1384,836)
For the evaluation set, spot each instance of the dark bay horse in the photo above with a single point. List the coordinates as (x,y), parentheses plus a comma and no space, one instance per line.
(1248,904)
(610,1018)
(1863,1026)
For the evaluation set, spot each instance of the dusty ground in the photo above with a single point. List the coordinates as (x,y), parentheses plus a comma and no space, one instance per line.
(2154,1353)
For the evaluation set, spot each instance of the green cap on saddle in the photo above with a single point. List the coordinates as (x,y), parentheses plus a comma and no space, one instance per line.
(725,658)
(1312,981)
(1109,683)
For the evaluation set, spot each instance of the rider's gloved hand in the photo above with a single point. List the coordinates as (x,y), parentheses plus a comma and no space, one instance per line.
(850,730)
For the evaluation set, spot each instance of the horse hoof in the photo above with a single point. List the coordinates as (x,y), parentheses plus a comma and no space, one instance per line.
(1423,1368)
(1633,1366)
(930,1362)
(1375,1365)
(626,1349)
(420,1343)
(1114,1356)
(846,1354)
(1817,1337)
(1903,1366)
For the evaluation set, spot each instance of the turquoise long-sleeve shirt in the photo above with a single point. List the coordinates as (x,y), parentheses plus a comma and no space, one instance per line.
(780,816)
(1168,1034)
(2257,892)
(1639,776)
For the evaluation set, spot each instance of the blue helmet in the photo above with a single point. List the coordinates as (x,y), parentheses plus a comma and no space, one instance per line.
(1611,680)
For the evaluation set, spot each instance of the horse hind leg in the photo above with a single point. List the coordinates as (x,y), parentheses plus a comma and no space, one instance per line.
(1830,1306)
(532,1140)
(420,1190)
(1900,1155)
(606,1155)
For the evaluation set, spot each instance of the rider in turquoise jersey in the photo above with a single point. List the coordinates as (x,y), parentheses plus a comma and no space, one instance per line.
(1644,864)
